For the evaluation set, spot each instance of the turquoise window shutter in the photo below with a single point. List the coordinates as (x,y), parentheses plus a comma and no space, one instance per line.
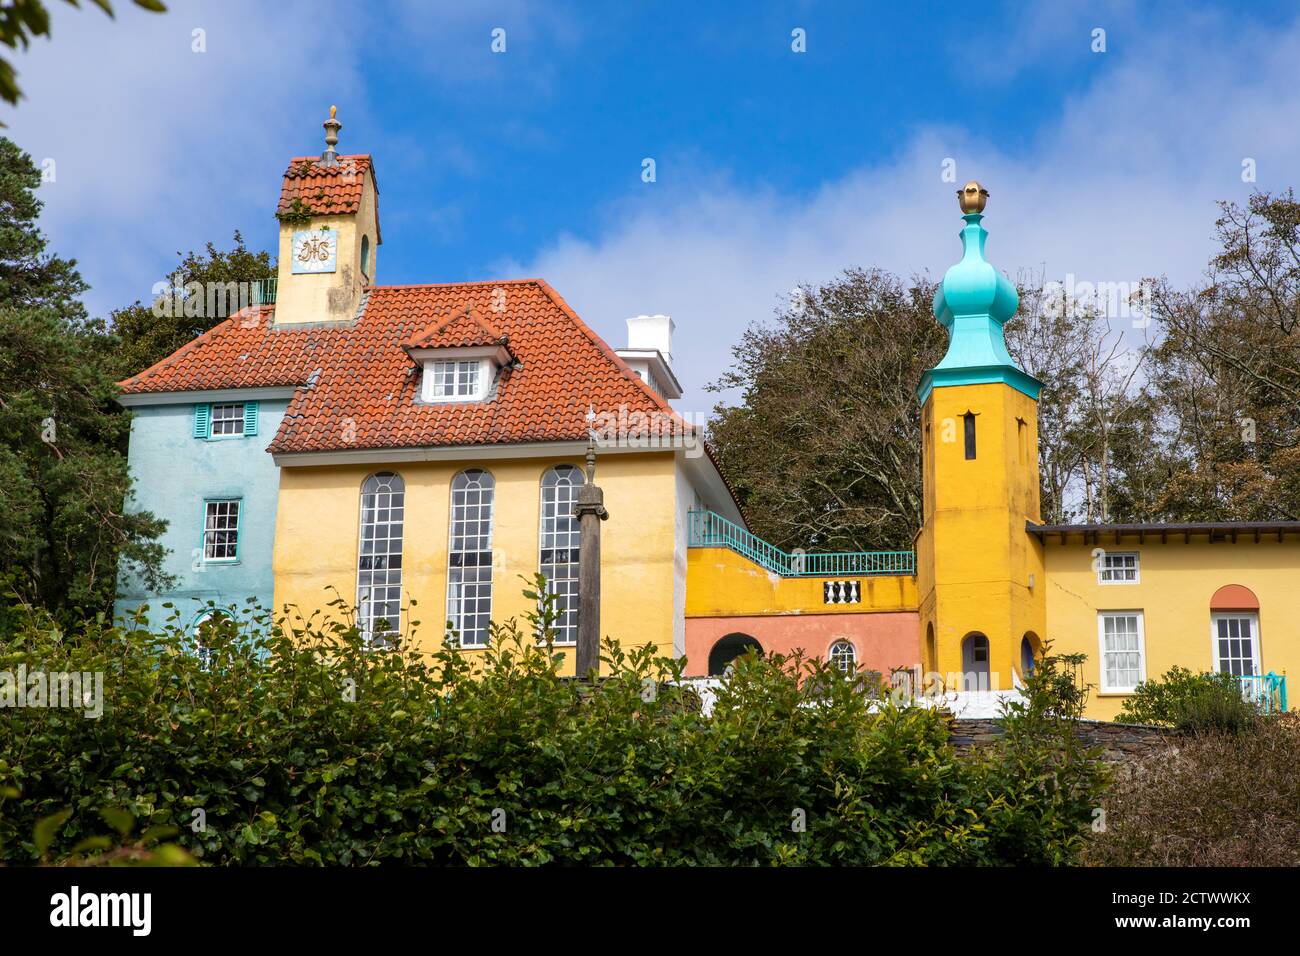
(250,418)
(202,421)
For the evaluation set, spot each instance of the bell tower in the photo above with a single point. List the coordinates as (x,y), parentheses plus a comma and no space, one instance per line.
(329,233)
(979,573)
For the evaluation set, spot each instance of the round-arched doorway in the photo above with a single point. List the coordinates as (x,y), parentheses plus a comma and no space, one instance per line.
(727,649)
(975,662)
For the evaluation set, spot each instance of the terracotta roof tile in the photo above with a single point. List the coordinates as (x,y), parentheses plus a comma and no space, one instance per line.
(325,190)
(464,329)
(364,396)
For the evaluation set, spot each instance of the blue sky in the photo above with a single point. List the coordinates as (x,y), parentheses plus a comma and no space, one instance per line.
(773,167)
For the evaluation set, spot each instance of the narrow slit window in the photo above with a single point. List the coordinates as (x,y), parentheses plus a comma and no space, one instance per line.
(969,419)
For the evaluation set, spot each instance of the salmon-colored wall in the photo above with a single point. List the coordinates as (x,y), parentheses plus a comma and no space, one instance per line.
(883,640)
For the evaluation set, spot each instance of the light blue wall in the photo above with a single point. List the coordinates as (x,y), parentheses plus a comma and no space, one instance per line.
(173,473)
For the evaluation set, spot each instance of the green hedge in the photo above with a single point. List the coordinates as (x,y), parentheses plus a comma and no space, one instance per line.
(1191,702)
(305,747)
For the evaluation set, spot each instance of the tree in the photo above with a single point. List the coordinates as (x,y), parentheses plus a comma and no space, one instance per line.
(1227,370)
(28,275)
(203,290)
(824,448)
(63,478)
(20,20)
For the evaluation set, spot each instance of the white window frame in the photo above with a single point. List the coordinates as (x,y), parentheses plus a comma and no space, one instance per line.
(481,367)
(393,486)
(1103,570)
(1253,617)
(853,652)
(459,516)
(550,531)
(1107,688)
(238,420)
(208,503)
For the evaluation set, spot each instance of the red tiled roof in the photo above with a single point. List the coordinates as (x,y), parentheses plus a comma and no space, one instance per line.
(463,330)
(325,190)
(364,395)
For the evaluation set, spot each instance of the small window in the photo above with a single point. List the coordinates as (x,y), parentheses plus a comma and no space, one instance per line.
(221,530)
(365,256)
(844,656)
(459,380)
(1123,664)
(1118,567)
(969,419)
(227,420)
(1022,440)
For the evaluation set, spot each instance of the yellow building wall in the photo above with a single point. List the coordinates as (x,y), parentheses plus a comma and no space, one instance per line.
(721,583)
(1177,581)
(977,570)
(318,528)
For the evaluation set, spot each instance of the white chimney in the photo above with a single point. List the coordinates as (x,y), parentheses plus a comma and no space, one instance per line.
(649,352)
(651,332)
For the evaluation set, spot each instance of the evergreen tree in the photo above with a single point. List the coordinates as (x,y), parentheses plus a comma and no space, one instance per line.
(63,475)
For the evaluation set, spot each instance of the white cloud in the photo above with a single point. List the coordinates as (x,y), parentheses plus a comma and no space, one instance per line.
(1121,185)
(155,144)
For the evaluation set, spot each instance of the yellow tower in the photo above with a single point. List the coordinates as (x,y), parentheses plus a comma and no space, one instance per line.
(329,233)
(979,574)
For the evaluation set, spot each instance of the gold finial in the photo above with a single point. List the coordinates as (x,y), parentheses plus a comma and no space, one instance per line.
(334,111)
(972,197)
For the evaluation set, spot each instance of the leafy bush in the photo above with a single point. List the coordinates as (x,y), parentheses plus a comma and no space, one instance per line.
(307,747)
(1197,703)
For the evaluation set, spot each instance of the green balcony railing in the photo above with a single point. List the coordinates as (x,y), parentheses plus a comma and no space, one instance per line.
(264,291)
(710,530)
(1266,691)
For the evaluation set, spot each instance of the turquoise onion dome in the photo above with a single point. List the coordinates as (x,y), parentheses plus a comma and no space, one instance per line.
(973,302)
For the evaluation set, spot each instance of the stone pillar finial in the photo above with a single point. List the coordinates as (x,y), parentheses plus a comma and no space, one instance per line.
(332,126)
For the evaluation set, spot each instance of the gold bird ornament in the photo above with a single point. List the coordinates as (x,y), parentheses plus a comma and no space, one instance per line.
(972,197)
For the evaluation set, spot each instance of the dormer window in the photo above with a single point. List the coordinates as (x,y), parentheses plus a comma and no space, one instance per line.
(461,359)
(455,380)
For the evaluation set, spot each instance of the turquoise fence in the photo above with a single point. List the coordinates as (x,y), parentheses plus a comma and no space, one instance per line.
(1265,691)
(264,291)
(710,530)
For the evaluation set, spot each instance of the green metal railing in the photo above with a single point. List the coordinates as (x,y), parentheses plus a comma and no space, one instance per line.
(710,530)
(264,291)
(1266,691)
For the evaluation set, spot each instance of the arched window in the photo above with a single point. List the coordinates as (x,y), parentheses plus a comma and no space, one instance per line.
(365,256)
(558,541)
(1028,654)
(844,656)
(1234,630)
(379,563)
(469,572)
(969,421)
(203,630)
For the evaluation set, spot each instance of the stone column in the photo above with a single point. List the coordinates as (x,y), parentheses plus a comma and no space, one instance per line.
(590,512)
